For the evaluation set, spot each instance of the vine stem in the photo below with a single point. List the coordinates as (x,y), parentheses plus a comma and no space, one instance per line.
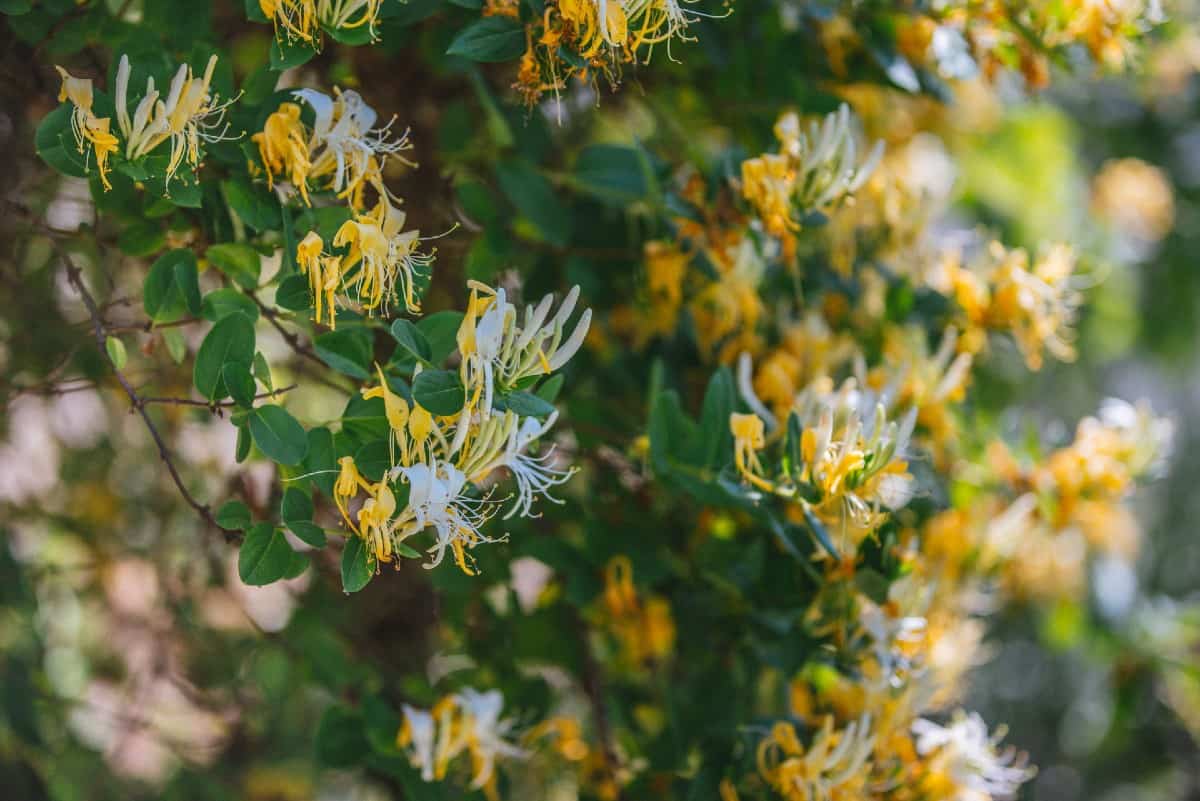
(138,404)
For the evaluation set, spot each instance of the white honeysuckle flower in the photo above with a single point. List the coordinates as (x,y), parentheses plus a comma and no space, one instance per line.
(436,499)
(486,732)
(418,731)
(345,147)
(965,753)
(190,114)
(498,353)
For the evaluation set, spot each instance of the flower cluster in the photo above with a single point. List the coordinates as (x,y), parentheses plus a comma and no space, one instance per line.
(582,38)
(466,722)
(839,397)
(438,462)
(190,115)
(344,152)
(303,20)
(813,171)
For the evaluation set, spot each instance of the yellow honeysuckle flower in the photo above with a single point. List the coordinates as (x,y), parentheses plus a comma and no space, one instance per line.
(831,766)
(748,439)
(283,148)
(324,276)
(190,114)
(89,130)
(347,485)
(301,20)
(374,520)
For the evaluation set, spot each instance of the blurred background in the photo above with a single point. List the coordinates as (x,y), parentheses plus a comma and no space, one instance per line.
(135,664)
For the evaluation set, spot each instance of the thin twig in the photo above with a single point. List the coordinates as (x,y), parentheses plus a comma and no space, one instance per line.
(214,405)
(75,277)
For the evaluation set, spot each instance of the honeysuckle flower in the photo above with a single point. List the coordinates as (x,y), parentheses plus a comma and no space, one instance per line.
(301,20)
(397,413)
(324,276)
(502,442)
(88,129)
(963,756)
(832,766)
(374,520)
(283,148)
(190,115)
(466,722)
(346,486)
(437,499)
(748,439)
(814,171)
(386,256)
(345,148)
(498,352)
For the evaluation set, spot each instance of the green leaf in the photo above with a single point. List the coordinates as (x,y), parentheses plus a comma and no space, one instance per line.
(265,555)
(56,144)
(308,532)
(373,459)
(286,54)
(234,514)
(116,352)
(230,340)
(534,198)
(278,435)
(719,399)
(618,175)
(490,39)
(172,285)
(293,294)
(412,340)
(262,371)
(240,262)
(526,404)
(348,352)
(238,382)
(341,740)
(176,344)
(254,205)
(243,444)
(549,390)
(441,331)
(439,391)
(142,239)
(358,564)
(296,505)
(224,302)
(321,461)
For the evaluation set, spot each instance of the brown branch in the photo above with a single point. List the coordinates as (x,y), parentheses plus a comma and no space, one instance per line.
(593,687)
(290,337)
(75,278)
(214,405)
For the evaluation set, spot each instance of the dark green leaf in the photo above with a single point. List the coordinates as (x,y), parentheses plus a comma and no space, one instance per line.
(265,555)
(358,564)
(341,741)
(172,285)
(230,340)
(411,339)
(615,174)
(278,435)
(348,352)
(296,505)
(238,382)
(234,514)
(223,302)
(240,262)
(293,293)
(308,532)
(254,205)
(497,38)
(526,404)
(534,197)
(439,391)
(441,331)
